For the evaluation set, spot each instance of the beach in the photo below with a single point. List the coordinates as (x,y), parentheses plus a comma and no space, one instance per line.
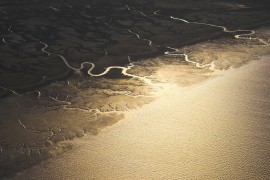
(216,129)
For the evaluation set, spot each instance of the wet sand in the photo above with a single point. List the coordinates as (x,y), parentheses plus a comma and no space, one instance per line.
(217,129)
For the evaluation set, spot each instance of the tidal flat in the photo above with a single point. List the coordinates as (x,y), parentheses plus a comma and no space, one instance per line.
(70,69)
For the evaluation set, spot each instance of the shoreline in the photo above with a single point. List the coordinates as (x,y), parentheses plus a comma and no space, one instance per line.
(186,133)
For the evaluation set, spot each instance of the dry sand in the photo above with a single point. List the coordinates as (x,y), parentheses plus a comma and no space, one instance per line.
(218,129)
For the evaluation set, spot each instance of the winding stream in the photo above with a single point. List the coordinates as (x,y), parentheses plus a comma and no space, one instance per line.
(99,96)
(172,51)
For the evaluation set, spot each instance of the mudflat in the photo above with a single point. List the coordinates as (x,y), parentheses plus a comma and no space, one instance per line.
(217,129)
(71,68)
